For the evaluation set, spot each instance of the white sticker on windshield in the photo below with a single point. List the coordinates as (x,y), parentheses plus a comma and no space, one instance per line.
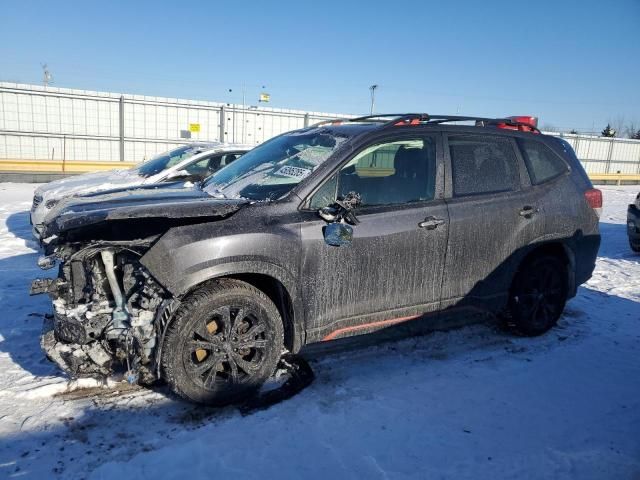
(293,172)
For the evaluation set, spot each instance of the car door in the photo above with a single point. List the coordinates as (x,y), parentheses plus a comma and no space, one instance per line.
(492,214)
(392,270)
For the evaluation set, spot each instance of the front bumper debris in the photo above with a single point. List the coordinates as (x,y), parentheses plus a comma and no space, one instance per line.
(77,360)
(44,285)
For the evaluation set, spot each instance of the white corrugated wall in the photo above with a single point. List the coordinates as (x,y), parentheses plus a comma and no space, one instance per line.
(58,123)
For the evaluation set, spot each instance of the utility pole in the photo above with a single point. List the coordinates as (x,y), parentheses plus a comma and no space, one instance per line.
(47,78)
(244,107)
(373,98)
(244,91)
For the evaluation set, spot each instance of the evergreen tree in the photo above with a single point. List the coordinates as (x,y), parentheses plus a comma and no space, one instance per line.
(608,132)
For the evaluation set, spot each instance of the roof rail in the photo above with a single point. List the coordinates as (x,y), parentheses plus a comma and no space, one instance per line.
(483,121)
(381,118)
(332,121)
(409,119)
(423,118)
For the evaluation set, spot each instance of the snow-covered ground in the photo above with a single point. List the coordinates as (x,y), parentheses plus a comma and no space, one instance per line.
(471,403)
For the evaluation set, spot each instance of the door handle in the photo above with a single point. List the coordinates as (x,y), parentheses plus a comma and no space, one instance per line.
(431,223)
(527,211)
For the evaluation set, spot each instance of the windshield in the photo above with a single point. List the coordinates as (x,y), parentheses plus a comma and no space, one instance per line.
(167,159)
(271,170)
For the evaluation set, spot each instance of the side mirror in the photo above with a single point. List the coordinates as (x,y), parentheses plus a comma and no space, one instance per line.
(337,234)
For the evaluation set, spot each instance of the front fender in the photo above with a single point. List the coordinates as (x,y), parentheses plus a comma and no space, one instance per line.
(187,256)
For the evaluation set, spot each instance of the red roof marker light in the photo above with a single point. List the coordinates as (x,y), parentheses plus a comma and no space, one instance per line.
(530,124)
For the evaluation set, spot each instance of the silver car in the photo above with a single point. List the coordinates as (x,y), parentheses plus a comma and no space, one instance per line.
(192,162)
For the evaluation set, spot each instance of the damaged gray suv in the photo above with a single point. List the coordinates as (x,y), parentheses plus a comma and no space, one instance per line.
(339,229)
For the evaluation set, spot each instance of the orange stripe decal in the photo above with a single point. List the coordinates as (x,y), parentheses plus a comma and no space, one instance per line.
(380,323)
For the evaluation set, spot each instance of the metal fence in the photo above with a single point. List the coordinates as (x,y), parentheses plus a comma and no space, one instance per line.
(64,124)
(42,123)
(601,155)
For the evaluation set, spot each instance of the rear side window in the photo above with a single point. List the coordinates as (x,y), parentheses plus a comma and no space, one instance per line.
(541,162)
(482,165)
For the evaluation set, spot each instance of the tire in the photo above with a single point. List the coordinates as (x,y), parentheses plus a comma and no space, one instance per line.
(635,248)
(538,295)
(225,340)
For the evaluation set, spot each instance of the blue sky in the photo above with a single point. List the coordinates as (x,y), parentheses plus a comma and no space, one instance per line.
(572,63)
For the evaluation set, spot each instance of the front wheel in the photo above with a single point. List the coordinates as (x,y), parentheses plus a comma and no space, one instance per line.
(224,342)
(538,295)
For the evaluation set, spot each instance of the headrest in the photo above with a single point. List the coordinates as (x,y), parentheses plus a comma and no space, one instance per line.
(406,159)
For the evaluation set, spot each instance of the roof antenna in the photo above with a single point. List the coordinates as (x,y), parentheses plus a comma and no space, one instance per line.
(47,78)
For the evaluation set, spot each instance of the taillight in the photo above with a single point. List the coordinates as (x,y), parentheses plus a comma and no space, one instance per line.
(594,199)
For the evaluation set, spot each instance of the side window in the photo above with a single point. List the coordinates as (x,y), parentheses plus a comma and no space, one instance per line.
(326,194)
(212,164)
(392,173)
(202,167)
(178,157)
(482,164)
(541,162)
(229,158)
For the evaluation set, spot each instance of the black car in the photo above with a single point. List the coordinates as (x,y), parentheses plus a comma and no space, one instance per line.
(633,224)
(334,230)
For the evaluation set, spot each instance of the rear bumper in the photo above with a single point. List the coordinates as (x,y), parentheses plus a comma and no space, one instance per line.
(633,224)
(585,249)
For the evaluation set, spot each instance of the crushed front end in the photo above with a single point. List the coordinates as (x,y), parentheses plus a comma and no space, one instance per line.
(108,312)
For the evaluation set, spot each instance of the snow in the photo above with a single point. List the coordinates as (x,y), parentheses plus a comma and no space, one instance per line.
(468,403)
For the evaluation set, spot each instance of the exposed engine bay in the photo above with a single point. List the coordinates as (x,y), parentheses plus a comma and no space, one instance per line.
(108,312)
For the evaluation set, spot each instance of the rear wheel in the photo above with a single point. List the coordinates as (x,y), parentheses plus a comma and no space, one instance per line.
(224,342)
(538,295)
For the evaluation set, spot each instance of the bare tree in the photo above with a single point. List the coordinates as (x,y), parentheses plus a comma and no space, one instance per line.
(631,129)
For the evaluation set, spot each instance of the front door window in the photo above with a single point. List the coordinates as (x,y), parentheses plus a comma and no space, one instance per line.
(388,173)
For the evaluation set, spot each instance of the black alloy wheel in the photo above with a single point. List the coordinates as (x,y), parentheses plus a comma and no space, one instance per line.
(224,342)
(538,295)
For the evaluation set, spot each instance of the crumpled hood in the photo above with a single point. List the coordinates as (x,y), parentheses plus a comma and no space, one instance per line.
(137,204)
(89,182)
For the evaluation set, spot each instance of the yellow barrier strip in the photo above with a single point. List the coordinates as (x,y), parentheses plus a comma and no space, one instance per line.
(58,166)
(614,176)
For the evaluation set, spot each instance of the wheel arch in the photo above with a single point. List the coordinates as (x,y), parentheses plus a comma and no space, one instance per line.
(273,281)
(556,248)
(280,296)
